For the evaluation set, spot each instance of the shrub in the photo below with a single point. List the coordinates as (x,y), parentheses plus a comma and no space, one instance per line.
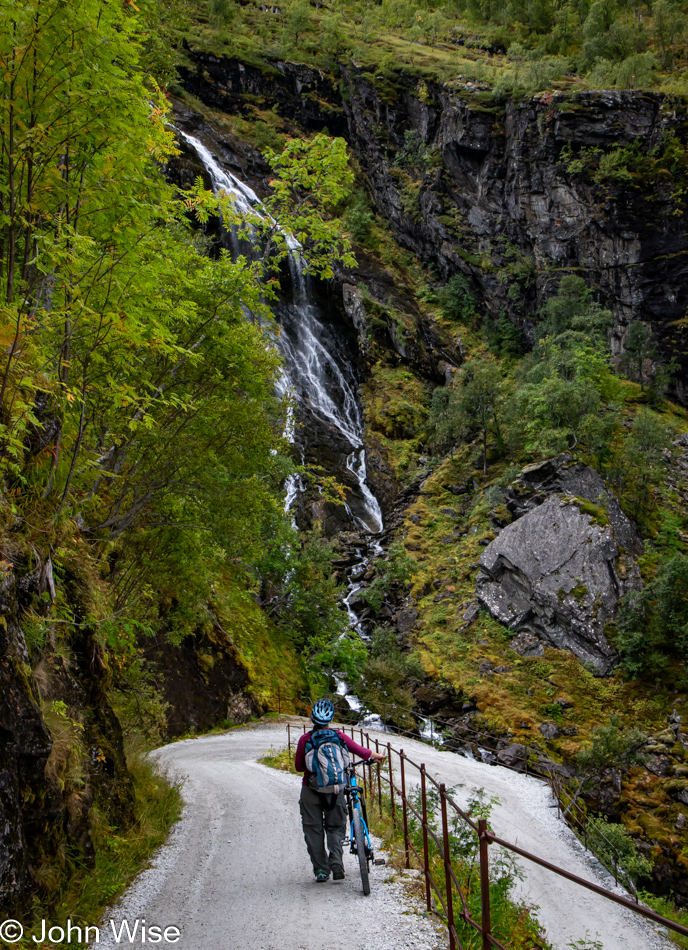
(653,623)
(456,299)
(359,218)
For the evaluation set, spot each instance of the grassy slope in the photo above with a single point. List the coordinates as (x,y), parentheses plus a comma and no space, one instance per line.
(277,674)
(464,50)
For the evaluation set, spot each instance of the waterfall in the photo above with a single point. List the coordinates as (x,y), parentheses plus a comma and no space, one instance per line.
(314,371)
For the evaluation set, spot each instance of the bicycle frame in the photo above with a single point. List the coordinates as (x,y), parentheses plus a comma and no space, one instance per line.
(356,802)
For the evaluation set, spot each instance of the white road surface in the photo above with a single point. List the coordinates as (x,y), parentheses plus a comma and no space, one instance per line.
(235,874)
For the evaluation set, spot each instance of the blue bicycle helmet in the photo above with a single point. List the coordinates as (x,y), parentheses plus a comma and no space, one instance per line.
(322,712)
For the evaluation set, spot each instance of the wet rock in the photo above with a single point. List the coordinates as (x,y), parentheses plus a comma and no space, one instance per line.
(557,574)
(459,489)
(486,667)
(562,476)
(471,613)
(681,822)
(549,730)
(355,310)
(678,789)
(525,644)
(452,512)
(554,768)
(658,764)
(415,519)
(513,756)
(433,697)
(406,619)
(570,730)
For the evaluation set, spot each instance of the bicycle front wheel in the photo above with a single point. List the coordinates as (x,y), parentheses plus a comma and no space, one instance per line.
(359,837)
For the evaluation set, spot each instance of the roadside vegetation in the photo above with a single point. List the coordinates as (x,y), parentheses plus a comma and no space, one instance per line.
(79,888)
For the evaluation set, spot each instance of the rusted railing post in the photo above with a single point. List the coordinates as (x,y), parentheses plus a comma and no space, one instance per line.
(289,736)
(447,867)
(426,854)
(361,732)
(391,782)
(484,884)
(379,780)
(404,808)
(365,781)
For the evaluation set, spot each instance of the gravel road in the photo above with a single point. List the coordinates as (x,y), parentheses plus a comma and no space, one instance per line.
(235,874)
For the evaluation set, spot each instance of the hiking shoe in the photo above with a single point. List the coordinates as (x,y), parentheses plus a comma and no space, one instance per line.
(322,876)
(338,874)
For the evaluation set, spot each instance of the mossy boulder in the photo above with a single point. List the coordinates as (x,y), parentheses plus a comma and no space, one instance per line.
(553,573)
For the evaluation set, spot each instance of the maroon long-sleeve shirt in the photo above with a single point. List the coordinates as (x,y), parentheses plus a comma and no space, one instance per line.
(300,755)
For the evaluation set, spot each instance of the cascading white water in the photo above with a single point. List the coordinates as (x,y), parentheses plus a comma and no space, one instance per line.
(314,376)
(313,373)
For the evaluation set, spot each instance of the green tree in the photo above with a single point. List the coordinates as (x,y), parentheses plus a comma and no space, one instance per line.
(137,402)
(653,623)
(312,178)
(223,11)
(456,299)
(473,407)
(639,466)
(392,573)
(297,21)
(336,41)
(668,22)
(638,348)
(559,401)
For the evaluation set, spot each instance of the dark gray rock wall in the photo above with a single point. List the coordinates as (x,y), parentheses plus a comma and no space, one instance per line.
(494,198)
(497,195)
(25,745)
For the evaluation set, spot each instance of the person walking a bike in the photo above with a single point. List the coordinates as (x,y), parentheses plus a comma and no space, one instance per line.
(322,755)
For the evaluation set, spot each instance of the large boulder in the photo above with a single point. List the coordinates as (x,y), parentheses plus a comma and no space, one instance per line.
(563,476)
(557,573)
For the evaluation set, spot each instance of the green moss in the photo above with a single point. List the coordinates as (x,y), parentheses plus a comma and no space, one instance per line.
(396,409)
(276,672)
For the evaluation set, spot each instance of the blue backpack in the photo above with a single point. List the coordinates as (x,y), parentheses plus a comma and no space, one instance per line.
(326,759)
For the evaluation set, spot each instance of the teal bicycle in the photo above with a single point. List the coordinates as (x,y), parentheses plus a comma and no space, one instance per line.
(359,835)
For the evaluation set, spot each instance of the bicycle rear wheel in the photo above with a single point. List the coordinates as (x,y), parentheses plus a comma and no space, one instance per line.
(359,837)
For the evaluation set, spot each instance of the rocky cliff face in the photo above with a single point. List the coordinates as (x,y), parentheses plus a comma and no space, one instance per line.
(60,746)
(496,199)
(25,745)
(490,192)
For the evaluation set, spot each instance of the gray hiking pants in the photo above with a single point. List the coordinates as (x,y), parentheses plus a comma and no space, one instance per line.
(319,821)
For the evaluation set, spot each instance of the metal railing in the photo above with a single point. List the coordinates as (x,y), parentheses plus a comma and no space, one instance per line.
(568,807)
(399,801)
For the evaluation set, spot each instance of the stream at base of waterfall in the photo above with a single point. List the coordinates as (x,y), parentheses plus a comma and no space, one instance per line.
(315,376)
